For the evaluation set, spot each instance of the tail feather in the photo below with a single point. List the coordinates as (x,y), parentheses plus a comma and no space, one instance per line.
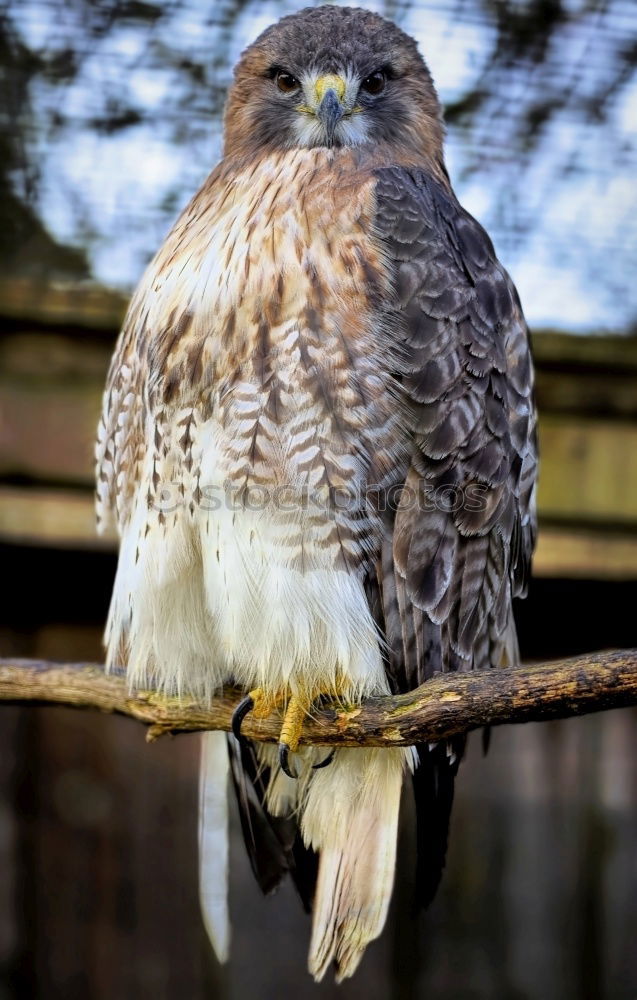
(268,840)
(213,841)
(266,799)
(433,785)
(351,818)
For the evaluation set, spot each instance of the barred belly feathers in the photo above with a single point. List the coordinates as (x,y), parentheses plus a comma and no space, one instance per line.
(323,327)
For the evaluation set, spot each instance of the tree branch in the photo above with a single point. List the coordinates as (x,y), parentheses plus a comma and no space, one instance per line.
(443,707)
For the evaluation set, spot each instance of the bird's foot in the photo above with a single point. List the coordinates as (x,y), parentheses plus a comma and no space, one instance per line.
(297,706)
(297,709)
(261,703)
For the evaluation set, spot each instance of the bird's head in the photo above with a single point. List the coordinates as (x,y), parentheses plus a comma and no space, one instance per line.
(332,76)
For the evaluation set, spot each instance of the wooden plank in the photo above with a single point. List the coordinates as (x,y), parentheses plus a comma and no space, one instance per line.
(50,400)
(62,303)
(60,518)
(592,375)
(587,392)
(588,470)
(54,357)
(585,554)
(48,432)
(601,352)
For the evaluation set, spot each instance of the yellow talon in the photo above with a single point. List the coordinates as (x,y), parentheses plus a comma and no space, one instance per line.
(293,722)
(293,719)
(264,703)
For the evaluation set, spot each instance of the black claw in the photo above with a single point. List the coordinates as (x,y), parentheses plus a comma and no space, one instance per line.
(325,763)
(245,705)
(284,760)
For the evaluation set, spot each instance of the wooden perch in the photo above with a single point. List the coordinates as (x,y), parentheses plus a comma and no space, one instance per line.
(443,707)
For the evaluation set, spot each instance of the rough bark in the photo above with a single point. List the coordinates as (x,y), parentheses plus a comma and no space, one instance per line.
(443,707)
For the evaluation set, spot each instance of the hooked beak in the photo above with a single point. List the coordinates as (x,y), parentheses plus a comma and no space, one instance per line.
(330,91)
(329,113)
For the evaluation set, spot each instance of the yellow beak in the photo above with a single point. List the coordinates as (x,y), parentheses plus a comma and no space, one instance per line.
(329,82)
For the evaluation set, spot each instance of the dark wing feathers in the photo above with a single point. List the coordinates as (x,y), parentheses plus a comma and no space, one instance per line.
(462,551)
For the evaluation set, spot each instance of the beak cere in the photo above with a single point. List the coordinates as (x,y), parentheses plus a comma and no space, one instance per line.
(330,91)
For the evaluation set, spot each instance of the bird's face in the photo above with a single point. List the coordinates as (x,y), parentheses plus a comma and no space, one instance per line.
(326,109)
(331,77)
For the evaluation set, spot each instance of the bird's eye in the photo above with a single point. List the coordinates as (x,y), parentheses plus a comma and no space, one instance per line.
(286,82)
(374,83)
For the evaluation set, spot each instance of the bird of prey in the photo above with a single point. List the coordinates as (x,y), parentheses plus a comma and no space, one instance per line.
(318,445)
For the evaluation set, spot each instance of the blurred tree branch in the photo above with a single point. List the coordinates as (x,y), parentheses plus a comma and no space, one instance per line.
(442,707)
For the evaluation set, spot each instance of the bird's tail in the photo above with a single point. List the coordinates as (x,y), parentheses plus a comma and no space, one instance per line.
(213,840)
(350,816)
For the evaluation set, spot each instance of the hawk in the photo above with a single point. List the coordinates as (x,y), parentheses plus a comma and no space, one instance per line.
(318,446)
